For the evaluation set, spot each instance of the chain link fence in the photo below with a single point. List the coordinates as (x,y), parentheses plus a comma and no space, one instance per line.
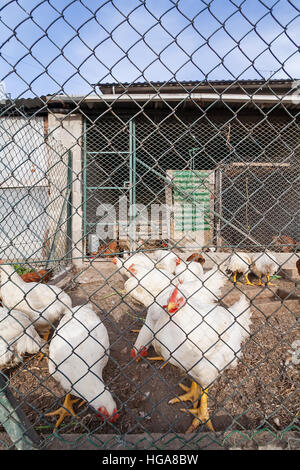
(150,224)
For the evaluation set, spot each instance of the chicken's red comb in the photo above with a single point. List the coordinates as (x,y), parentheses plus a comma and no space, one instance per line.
(114,417)
(173,296)
(142,352)
(131,269)
(133,353)
(104,415)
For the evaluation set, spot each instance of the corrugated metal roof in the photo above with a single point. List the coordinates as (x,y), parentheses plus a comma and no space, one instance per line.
(125,94)
(195,85)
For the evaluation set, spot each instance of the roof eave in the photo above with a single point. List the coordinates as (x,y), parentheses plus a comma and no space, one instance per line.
(178,97)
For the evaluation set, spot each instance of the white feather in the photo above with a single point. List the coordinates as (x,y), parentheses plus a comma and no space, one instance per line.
(200,338)
(42,303)
(78,352)
(17,337)
(265,264)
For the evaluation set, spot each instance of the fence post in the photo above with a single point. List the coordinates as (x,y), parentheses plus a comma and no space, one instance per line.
(14,420)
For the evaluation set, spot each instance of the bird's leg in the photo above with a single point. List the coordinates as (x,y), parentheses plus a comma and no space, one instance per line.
(259,281)
(46,335)
(268,283)
(158,358)
(234,277)
(64,410)
(248,283)
(192,394)
(201,414)
(41,355)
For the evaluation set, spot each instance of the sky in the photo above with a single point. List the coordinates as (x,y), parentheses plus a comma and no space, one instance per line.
(65,46)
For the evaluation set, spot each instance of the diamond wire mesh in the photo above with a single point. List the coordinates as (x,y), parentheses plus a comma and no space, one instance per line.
(34,185)
(128,148)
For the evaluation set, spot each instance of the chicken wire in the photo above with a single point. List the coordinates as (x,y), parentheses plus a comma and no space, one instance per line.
(67,160)
(34,189)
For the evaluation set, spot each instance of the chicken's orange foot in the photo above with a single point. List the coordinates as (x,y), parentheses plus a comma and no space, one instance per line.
(248,283)
(64,410)
(259,282)
(158,358)
(192,394)
(268,283)
(201,415)
(46,335)
(41,355)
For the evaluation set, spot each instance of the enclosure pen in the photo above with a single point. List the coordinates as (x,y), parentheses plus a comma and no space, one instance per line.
(149,225)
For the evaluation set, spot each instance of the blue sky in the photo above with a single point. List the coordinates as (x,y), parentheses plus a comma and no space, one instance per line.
(52,46)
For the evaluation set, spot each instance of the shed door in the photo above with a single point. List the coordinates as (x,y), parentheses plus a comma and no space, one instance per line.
(192,194)
(108,180)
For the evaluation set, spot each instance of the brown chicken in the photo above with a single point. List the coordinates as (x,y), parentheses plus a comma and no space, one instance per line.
(279,242)
(107,251)
(42,275)
(298,266)
(197,258)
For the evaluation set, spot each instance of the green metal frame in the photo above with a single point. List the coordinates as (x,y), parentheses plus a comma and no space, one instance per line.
(131,177)
(15,421)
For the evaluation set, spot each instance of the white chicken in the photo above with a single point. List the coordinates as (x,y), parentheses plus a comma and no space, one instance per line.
(145,285)
(137,258)
(240,263)
(206,291)
(189,271)
(209,288)
(78,352)
(198,337)
(42,303)
(17,337)
(265,265)
(167,260)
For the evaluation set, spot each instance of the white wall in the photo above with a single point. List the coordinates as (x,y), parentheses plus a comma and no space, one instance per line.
(23,187)
(68,131)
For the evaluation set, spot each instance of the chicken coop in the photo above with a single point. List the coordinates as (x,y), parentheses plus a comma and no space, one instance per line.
(250,188)
(235,166)
(150,225)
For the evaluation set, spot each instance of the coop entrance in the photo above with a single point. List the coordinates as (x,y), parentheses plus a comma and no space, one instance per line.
(109,176)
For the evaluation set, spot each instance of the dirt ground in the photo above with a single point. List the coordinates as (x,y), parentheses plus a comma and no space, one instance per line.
(262,391)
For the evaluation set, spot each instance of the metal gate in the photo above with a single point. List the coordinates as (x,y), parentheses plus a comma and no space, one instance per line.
(108,180)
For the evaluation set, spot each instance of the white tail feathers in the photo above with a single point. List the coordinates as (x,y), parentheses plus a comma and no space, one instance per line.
(12,350)
(8,273)
(241,310)
(30,342)
(214,280)
(241,306)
